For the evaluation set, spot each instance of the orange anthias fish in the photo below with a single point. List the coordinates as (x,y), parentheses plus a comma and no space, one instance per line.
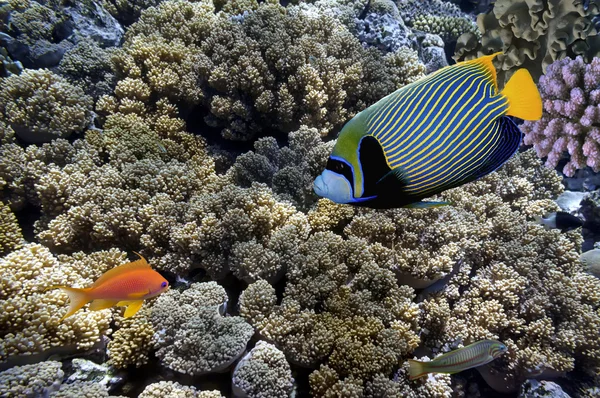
(126,285)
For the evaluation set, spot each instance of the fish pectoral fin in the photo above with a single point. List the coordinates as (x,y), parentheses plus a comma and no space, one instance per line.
(133,308)
(392,182)
(426,205)
(101,304)
(137,296)
(524,100)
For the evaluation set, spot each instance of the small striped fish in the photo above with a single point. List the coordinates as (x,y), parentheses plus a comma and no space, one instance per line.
(468,357)
(445,130)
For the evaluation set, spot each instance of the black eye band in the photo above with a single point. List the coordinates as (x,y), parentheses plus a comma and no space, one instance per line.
(343,168)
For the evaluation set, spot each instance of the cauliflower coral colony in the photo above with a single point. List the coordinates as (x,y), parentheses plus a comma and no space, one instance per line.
(191,132)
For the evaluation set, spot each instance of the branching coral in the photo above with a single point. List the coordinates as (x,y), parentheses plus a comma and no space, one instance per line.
(38,33)
(193,337)
(31,380)
(290,170)
(88,65)
(270,69)
(11,237)
(439,17)
(340,307)
(83,389)
(237,226)
(523,285)
(175,390)
(263,372)
(533,34)
(128,11)
(30,317)
(133,340)
(570,92)
(40,105)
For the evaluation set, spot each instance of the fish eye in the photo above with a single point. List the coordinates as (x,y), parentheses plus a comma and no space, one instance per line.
(164,284)
(340,167)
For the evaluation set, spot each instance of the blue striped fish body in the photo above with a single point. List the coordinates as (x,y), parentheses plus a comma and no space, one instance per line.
(440,132)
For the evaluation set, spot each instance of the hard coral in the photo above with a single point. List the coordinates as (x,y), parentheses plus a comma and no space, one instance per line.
(523,278)
(88,65)
(570,122)
(31,381)
(83,389)
(133,340)
(265,70)
(340,308)
(30,316)
(263,373)
(40,105)
(193,338)
(175,390)
(439,17)
(533,34)
(290,170)
(235,222)
(11,237)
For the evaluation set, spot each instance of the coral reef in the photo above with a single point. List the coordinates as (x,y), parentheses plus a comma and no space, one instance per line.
(363,327)
(11,237)
(175,390)
(532,35)
(128,11)
(338,297)
(30,316)
(262,72)
(38,33)
(133,340)
(194,338)
(437,17)
(83,389)
(40,105)
(290,170)
(31,380)
(570,92)
(88,66)
(263,372)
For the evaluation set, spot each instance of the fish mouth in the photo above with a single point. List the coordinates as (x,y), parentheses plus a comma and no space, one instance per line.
(320,187)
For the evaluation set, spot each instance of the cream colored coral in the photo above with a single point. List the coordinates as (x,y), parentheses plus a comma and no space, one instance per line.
(172,389)
(133,340)
(31,380)
(41,105)
(10,232)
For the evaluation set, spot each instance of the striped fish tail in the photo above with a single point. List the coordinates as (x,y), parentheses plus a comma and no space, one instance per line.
(524,100)
(416,369)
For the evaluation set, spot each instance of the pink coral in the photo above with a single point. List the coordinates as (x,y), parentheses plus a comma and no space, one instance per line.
(570,123)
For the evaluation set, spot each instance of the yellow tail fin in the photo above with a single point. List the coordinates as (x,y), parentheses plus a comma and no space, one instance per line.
(416,369)
(524,99)
(77,298)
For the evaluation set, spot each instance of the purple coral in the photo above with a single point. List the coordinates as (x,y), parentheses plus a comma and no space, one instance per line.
(570,123)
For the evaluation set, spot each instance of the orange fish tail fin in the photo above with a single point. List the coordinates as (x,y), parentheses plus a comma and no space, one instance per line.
(416,369)
(524,100)
(77,298)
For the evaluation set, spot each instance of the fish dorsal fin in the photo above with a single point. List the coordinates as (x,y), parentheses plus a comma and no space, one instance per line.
(486,63)
(123,269)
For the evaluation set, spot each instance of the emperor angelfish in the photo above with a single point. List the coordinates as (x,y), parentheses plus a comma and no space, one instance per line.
(444,130)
